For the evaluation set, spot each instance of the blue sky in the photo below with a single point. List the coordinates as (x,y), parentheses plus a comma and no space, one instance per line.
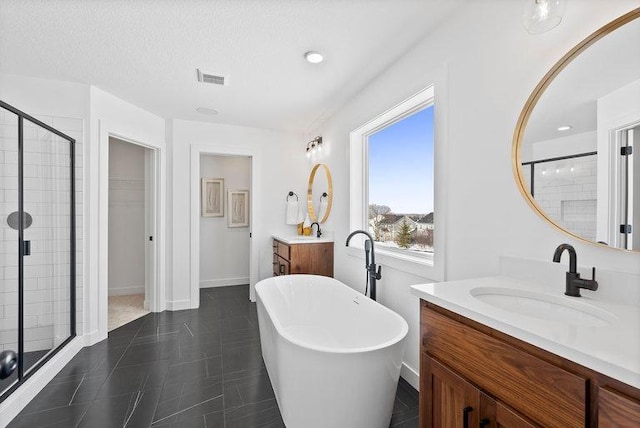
(401,164)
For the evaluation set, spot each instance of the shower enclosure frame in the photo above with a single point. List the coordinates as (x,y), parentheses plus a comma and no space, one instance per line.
(559,158)
(22,376)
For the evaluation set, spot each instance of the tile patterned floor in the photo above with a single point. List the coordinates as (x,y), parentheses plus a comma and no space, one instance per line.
(194,368)
(30,360)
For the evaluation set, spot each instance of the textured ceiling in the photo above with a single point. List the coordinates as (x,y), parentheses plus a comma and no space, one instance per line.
(147,52)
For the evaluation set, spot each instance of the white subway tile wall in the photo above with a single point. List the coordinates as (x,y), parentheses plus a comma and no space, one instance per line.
(46,181)
(566,191)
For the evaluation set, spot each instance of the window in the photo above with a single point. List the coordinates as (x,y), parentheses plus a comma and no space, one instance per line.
(392,179)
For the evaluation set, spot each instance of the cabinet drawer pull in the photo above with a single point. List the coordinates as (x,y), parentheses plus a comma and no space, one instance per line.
(484,422)
(465,416)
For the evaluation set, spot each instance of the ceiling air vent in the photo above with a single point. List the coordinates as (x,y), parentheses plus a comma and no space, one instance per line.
(212,78)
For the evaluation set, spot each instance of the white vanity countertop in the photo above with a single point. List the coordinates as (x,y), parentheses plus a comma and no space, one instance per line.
(299,239)
(612,348)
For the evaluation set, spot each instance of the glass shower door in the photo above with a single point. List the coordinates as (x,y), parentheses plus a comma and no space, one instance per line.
(37,251)
(9,250)
(46,194)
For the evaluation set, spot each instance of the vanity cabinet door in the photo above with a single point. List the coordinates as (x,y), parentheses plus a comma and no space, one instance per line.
(494,414)
(284,267)
(449,401)
(280,266)
(281,249)
(616,410)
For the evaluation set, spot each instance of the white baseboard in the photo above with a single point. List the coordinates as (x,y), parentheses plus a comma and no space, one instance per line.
(94,337)
(19,399)
(209,283)
(178,305)
(410,375)
(145,304)
(123,291)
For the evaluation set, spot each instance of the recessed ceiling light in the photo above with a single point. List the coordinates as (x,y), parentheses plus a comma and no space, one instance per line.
(564,127)
(313,57)
(207,110)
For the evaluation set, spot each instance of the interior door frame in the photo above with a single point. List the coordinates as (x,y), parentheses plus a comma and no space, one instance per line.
(156,286)
(617,185)
(198,149)
(150,222)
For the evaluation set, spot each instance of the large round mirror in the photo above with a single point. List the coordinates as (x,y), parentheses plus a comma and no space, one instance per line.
(319,193)
(573,145)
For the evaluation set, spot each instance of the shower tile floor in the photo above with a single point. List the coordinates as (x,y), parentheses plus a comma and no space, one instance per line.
(194,368)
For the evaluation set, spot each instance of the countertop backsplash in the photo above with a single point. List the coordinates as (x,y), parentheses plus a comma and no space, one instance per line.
(618,287)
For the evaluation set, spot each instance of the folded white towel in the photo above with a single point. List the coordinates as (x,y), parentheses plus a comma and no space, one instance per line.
(291,216)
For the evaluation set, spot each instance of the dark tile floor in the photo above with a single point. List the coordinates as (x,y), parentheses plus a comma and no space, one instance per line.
(30,359)
(194,368)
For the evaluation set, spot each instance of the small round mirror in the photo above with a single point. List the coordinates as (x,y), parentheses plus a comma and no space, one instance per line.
(320,193)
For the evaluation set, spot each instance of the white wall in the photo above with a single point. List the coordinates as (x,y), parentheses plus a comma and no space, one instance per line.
(282,166)
(569,145)
(127,237)
(484,65)
(224,251)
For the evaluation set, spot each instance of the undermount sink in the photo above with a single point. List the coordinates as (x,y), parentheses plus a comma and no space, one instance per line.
(544,306)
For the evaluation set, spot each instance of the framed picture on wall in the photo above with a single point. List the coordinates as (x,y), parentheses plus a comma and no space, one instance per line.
(212,197)
(238,208)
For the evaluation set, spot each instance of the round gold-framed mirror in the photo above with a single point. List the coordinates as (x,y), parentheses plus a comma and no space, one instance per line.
(319,193)
(571,156)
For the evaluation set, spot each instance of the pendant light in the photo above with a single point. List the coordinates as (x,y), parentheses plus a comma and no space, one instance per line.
(542,15)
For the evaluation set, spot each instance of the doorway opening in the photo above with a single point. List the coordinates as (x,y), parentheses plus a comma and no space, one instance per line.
(131,224)
(252,215)
(225,246)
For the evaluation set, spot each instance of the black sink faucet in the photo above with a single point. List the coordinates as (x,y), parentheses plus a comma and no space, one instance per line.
(574,282)
(319,233)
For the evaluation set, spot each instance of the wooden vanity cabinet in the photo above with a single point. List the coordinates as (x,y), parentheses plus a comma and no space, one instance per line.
(497,415)
(451,401)
(474,376)
(614,409)
(314,258)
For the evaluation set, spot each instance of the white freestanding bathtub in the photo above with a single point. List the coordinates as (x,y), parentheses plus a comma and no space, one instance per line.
(333,355)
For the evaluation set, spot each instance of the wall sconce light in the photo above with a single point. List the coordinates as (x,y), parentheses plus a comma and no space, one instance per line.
(314,146)
(542,15)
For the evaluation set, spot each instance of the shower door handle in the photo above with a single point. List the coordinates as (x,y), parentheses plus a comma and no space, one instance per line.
(26,248)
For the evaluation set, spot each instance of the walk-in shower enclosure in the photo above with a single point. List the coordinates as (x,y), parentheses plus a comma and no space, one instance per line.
(37,233)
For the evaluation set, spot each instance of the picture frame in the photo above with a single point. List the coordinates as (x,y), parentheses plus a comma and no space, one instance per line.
(238,208)
(212,199)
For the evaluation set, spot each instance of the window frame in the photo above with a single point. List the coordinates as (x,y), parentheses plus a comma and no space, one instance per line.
(430,266)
